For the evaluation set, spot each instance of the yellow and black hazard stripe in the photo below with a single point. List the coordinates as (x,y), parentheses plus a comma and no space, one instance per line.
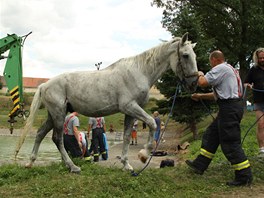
(16,100)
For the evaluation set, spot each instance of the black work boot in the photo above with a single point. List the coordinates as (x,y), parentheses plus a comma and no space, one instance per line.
(242,178)
(200,164)
(104,156)
(96,158)
(196,170)
(245,182)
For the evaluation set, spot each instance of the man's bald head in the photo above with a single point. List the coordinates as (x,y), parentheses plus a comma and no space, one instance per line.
(216,57)
(217,54)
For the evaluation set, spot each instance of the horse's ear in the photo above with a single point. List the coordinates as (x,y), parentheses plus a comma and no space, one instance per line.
(193,45)
(184,38)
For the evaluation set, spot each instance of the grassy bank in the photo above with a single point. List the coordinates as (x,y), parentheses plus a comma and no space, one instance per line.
(97,181)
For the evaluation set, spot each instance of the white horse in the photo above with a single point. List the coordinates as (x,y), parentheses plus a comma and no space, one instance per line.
(122,87)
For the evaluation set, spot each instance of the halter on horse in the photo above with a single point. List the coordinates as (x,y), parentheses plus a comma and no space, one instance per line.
(122,87)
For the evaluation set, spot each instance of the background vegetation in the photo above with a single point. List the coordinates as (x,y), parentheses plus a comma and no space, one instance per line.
(117,120)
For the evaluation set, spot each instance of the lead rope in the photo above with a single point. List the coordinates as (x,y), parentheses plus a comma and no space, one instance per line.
(178,90)
(207,109)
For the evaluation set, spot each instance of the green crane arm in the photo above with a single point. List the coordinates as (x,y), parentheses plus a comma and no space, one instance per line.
(13,72)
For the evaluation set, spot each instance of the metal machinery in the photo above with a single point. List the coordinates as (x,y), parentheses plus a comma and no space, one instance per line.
(13,74)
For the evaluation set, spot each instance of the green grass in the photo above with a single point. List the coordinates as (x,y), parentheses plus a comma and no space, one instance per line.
(97,181)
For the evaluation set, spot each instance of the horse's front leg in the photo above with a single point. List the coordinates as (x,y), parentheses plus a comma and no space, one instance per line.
(134,110)
(57,138)
(126,141)
(143,154)
(42,132)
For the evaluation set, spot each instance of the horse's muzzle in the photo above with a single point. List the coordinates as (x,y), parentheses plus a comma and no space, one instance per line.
(190,83)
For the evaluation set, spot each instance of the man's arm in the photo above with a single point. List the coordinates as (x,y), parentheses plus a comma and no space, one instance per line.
(88,130)
(104,125)
(77,135)
(248,85)
(203,96)
(202,82)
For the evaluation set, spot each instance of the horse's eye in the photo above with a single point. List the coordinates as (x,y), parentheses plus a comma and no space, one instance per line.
(185,56)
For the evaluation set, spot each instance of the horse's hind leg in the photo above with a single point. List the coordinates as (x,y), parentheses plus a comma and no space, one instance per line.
(57,138)
(127,135)
(42,132)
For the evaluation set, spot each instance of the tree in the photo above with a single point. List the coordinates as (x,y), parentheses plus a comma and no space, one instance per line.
(234,26)
(186,110)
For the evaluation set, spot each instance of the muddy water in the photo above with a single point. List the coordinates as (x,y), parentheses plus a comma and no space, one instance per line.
(48,152)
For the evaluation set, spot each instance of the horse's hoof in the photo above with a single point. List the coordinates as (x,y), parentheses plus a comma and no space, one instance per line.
(28,165)
(128,167)
(76,170)
(142,155)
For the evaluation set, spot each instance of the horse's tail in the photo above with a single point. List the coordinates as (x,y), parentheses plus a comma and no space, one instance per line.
(30,120)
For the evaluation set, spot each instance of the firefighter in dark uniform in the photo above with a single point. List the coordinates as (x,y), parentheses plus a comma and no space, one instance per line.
(225,129)
(98,128)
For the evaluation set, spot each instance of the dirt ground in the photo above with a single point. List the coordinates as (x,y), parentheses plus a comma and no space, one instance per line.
(169,146)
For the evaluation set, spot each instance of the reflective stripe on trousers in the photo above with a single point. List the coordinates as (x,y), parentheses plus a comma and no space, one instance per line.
(241,165)
(206,153)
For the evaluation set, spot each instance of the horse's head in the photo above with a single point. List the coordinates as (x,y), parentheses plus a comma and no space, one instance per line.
(183,62)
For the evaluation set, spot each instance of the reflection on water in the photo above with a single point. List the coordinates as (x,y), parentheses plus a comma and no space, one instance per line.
(48,151)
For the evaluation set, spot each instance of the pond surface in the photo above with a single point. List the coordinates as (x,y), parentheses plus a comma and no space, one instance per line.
(48,152)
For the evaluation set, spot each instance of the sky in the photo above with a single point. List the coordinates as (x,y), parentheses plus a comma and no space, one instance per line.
(74,35)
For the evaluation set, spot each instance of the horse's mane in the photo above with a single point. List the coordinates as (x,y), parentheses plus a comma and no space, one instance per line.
(147,57)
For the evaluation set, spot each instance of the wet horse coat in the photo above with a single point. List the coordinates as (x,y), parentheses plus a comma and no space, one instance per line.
(121,87)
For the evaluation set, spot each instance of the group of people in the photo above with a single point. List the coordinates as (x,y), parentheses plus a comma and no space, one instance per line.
(76,142)
(225,129)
